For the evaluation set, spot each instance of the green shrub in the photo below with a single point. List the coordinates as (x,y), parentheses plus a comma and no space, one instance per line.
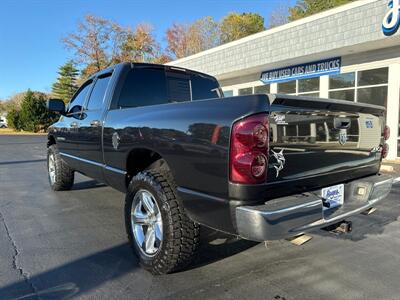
(13,119)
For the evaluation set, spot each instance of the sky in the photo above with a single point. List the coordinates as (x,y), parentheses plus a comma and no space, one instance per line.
(31,31)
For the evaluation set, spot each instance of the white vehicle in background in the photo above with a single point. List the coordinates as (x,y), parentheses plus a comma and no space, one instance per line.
(3,122)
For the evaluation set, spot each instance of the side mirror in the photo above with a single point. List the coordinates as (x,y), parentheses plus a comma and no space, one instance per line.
(57,106)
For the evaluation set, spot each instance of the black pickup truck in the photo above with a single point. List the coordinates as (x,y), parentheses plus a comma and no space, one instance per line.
(261,167)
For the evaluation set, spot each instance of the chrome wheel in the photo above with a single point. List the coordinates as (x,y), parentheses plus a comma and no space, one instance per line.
(52,169)
(146,222)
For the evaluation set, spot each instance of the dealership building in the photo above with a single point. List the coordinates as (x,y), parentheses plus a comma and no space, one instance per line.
(351,52)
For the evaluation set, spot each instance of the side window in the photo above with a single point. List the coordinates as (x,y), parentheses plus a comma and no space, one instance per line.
(143,86)
(77,102)
(204,87)
(97,96)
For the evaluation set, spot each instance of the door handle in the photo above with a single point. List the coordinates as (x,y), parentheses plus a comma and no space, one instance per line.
(74,125)
(95,123)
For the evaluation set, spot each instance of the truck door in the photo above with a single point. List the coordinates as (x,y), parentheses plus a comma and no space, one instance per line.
(68,136)
(90,130)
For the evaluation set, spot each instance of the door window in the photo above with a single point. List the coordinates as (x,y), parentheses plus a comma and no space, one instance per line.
(97,96)
(79,98)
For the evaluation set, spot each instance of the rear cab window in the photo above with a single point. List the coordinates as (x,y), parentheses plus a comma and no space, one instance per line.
(97,95)
(152,85)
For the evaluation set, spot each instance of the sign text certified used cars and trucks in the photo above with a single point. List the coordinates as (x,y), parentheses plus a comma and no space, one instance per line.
(261,167)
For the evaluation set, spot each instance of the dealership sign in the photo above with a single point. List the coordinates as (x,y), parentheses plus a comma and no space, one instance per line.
(391,21)
(308,70)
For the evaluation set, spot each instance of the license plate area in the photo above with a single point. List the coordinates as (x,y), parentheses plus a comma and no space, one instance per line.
(333,196)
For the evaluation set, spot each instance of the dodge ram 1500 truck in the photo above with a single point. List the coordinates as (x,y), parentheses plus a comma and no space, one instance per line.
(261,167)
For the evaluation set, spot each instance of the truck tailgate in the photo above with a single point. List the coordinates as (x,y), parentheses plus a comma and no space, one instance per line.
(319,142)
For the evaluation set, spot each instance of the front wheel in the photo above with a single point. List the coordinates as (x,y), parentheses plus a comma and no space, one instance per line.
(61,176)
(160,233)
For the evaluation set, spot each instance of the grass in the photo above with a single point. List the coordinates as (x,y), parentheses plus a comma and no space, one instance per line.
(10,131)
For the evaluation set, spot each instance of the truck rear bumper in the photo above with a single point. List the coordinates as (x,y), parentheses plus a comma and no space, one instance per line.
(288,216)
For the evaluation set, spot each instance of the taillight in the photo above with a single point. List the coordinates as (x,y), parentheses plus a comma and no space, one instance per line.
(385,150)
(249,150)
(386,133)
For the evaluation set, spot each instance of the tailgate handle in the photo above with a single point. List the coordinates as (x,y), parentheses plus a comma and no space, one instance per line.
(342,123)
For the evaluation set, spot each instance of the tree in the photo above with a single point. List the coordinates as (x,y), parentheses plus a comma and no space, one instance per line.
(236,26)
(203,34)
(305,8)
(99,43)
(13,119)
(188,39)
(2,107)
(33,115)
(93,42)
(137,45)
(66,84)
(279,16)
(177,40)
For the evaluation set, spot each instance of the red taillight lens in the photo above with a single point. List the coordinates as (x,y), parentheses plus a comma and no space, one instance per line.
(386,133)
(259,165)
(385,150)
(249,150)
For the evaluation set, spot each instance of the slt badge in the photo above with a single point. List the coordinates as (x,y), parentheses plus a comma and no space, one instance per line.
(280,159)
(115,140)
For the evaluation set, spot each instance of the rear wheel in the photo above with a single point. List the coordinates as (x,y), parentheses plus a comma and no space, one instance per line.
(160,233)
(61,176)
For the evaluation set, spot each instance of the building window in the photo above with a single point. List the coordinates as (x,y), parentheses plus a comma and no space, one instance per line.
(316,95)
(228,93)
(369,86)
(373,95)
(342,86)
(246,91)
(262,89)
(340,81)
(287,87)
(343,94)
(308,85)
(373,77)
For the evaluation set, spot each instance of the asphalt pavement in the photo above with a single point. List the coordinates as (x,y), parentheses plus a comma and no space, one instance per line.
(73,245)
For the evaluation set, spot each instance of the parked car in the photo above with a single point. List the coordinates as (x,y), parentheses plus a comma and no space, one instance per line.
(260,167)
(3,122)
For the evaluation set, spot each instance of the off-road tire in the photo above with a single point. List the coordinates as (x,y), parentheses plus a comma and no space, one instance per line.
(180,234)
(64,175)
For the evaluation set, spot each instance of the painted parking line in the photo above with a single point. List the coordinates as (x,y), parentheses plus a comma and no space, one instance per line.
(396,180)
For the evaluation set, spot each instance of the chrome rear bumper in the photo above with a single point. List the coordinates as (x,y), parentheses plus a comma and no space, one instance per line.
(288,216)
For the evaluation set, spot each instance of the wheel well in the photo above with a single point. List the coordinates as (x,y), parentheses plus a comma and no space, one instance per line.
(50,141)
(140,160)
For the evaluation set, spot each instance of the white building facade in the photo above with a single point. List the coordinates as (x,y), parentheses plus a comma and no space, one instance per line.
(351,52)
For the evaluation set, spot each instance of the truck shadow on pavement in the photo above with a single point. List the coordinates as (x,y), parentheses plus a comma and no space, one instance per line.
(80,276)
(21,161)
(89,184)
(215,245)
(388,211)
(76,277)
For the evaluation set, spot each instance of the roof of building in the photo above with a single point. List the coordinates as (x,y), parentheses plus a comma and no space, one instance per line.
(351,28)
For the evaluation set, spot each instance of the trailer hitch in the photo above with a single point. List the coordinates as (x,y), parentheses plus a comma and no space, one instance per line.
(340,227)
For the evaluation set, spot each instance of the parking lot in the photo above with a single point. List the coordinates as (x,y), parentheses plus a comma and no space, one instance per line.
(73,244)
